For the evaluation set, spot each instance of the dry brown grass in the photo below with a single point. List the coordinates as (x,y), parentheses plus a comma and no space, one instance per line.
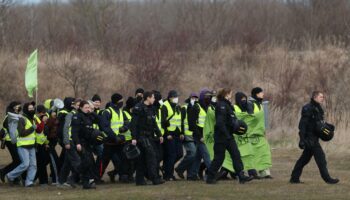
(278,188)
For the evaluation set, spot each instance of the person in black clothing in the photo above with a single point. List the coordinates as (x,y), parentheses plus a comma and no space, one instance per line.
(61,116)
(10,142)
(159,148)
(143,128)
(113,147)
(139,95)
(311,114)
(226,125)
(82,136)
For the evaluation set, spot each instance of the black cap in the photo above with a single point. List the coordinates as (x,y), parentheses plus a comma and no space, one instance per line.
(41,109)
(172,94)
(96,97)
(116,97)
(139,90)
(256,91)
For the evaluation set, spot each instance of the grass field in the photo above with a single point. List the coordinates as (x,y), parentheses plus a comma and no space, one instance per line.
(278,188)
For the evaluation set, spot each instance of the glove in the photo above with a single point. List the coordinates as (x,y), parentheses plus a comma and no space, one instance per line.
(123,129)
(34,126)
(119,139)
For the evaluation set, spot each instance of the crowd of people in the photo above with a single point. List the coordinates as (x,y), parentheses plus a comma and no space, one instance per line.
(150,139)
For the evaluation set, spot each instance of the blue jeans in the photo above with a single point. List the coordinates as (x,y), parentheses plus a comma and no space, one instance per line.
(189,158)
(201,153)
(28,163)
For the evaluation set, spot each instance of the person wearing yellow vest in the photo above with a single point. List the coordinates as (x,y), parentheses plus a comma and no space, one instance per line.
(114,124)
(71,157)
(173,135)
(26,146)
(188,142)
(196,123)
(42,145)
(9,130)
(264,158)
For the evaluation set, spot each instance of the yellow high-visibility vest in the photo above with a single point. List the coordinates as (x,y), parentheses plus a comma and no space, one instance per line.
(29,139)
(175,121)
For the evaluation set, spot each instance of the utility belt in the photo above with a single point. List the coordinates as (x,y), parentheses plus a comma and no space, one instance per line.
(147,133)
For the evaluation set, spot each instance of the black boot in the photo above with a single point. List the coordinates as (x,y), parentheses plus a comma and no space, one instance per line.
(243,178)
(332,181)
(158,181)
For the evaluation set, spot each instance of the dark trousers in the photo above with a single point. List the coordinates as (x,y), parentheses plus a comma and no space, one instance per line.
(112,153)
(147,162)
(42,160)
(158,148)
(98,151)
(87,169)
(173,152)
(71,163)
(219,156)
(55,165)
(305,158)
(12,148)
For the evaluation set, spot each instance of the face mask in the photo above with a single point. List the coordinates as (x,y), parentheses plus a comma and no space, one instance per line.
(138,98)
(213,99)
(31,113)
(161,102)
(176,100)
(120,104)
(19,110)
(192,101)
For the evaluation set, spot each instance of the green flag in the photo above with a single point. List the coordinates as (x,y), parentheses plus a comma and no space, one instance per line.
(31,76)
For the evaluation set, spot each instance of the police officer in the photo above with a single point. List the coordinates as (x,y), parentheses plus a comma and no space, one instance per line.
(82,136)
(311,114)
(223,138)
(143,129)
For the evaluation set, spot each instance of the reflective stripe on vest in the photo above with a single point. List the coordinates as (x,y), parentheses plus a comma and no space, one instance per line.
(29,139)
(127,134)
(70,125)
(117,121)
(175,121)
(62,112)
(201,117)
(159,121)
(186,127)
(7,136)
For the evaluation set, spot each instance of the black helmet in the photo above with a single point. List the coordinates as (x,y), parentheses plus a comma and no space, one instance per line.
(325,131)
(131,151)
(241,128)
(98,137)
